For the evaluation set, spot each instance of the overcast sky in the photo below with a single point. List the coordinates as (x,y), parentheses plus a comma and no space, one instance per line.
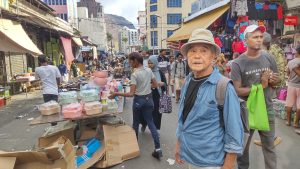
(126,8)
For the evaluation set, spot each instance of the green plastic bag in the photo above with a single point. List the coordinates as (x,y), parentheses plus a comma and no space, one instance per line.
(258,114)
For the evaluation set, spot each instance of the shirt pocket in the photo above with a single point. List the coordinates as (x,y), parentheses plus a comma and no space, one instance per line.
(209,110)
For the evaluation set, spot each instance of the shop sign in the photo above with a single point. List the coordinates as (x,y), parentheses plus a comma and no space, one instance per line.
(291,20)
(4,4)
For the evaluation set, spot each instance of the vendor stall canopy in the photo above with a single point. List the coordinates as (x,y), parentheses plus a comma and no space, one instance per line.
(202,21)
(13,38)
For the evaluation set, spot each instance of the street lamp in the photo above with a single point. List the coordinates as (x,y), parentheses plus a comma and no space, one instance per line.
(161,29)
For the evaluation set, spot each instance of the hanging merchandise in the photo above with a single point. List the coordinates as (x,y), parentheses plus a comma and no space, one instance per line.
(279,12)
(238,46)
(260,11)
(241,7)
(252,13)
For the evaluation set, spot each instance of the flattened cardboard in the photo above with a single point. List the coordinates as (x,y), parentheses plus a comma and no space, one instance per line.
(7,162)
(98,155)
(47,140)
(120,145)
(40,159)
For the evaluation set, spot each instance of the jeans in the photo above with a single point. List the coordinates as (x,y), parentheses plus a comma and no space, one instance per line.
(268,148)
(143,106)
(49,97)
(194,167)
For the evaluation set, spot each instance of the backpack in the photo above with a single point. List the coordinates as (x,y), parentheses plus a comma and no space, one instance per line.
(220,96)
(184,65)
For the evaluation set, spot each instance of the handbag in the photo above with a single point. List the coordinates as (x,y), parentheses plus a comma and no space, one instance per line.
(256,104)
(282,94)
(165,103)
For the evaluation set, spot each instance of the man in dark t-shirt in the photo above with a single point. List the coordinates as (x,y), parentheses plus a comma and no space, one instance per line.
(256,66)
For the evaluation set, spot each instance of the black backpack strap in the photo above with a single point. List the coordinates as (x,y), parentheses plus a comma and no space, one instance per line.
(220,95)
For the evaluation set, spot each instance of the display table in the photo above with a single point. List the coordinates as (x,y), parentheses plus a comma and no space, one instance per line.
(59,117)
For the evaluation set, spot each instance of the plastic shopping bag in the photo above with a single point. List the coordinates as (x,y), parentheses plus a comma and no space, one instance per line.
(258,114)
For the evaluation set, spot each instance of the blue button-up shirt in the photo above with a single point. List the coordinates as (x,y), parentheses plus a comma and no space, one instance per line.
(204,143)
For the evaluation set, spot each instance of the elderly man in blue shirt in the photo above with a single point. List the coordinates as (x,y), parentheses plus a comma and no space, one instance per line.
(202,141)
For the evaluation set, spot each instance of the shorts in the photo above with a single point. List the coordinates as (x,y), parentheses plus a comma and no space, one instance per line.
(179,83)
(293,97)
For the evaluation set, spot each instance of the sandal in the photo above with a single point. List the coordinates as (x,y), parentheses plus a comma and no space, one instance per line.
(296,126)
(288,123)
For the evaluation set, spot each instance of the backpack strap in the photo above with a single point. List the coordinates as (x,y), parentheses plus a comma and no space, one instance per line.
(220,96)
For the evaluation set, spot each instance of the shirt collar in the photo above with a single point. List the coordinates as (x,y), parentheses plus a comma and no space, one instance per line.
(213,78)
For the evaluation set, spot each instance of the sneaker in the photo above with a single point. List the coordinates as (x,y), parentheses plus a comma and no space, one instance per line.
(297,131)
(143,129)
(157,154)
(173,95)
(277,141)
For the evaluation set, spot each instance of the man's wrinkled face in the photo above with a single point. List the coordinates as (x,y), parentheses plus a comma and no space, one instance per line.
(200,57)
(254,40)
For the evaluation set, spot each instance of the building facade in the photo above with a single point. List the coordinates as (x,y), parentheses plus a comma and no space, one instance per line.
(163,17)
(91,22)
(65,9)
(128,40)
(142,30)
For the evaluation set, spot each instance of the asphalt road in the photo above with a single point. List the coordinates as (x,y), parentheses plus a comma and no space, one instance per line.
(16,134)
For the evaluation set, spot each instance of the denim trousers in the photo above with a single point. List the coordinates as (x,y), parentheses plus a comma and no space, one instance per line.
(143,106)
(49,97)
(268,148)
(194,167)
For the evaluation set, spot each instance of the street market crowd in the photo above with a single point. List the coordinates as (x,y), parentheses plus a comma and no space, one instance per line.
(210,91)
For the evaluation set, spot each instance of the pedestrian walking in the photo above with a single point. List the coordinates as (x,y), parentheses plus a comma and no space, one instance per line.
(126,65)
(164,65)
(178,74)
(253,67)
(142,80)
(172,60)
(50,77)
(293,93)
(156,92)
(202,141)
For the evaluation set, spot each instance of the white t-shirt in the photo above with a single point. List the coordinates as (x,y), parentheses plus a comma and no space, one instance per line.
(48,75)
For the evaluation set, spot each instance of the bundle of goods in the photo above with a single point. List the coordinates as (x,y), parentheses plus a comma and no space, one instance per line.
(73,110)
(49,108)
(100,78)
(67,97)
(88,149)
(93,108)
(89,95)
(279,108)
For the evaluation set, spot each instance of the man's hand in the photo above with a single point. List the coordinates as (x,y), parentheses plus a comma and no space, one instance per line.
(177,153)
(112,95)
(265,79)
(274,78)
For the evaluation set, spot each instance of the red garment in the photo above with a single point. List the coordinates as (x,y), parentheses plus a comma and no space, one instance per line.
(242,19)
(242,29)
(279,12)
(238,46)
(266,7)
(218,42)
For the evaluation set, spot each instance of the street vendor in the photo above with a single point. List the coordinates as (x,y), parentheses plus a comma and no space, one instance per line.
(142,80)
(50,77)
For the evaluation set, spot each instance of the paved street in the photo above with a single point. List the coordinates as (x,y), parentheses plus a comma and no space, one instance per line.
(16,134)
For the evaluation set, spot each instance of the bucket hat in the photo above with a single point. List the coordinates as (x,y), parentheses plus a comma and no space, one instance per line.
(200,36)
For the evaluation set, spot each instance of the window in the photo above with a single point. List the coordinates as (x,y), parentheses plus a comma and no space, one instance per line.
(57,2)
(169,33)
(64,2)
(153,21)
(153,8)
(174,18)
(174,3)
(66,17)
(153,1)
(153,38)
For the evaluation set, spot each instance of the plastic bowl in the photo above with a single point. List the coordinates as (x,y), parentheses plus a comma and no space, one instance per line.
(101,74)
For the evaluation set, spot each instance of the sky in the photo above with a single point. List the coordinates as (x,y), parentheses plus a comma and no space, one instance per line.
(126,8)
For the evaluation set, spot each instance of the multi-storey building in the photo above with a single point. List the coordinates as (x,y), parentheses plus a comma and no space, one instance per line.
(65,9)
(128,40)
(163,17)
(142,30)
(91,22)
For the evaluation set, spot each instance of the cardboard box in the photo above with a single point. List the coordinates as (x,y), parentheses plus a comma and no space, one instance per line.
(45,141)
(120,145)
(60,155)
